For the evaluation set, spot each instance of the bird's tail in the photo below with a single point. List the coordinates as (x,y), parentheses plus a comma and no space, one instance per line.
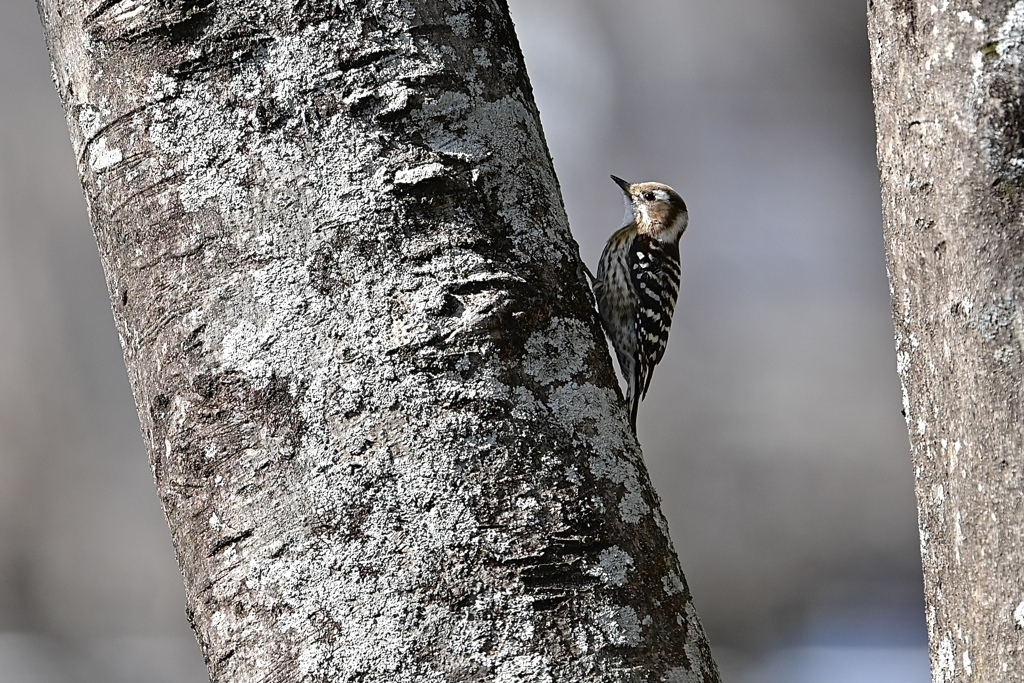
(633,392)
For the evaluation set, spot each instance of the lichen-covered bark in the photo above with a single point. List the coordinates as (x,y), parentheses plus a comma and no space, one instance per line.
(948,86)
(377,404)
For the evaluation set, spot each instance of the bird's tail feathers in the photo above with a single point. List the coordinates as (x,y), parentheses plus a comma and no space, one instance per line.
(633,392)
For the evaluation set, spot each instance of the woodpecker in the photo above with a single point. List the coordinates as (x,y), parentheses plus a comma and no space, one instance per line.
(637,282)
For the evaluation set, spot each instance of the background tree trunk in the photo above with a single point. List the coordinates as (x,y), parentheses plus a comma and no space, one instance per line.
(378,407)
(948,98)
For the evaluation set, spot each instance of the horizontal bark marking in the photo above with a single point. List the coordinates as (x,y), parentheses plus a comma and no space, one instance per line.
(126,21)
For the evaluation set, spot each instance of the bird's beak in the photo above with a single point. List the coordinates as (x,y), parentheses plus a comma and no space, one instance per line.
(622,183)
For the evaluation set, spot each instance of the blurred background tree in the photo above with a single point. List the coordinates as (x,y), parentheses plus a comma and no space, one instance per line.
(772,431)
(948,87)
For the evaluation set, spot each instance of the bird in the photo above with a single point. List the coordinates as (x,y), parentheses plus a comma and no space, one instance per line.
(637,282)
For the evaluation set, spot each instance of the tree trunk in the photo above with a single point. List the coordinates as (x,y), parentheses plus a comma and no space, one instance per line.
(378,406)
(948,97)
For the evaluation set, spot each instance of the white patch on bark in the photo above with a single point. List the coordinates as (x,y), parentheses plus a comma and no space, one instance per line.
(102,157)
(1018,616)
(1010,38)
(945,661)
(613,566)
(632,506)
(559,353)
(968,18)
(460,24)
(419,174)
(619,625)
(672,584)
(482,60)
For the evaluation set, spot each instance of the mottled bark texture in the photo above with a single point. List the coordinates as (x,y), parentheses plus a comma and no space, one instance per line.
(948,83)
(377,403)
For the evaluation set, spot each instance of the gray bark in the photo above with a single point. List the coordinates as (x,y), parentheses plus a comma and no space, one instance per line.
(948,97)
(379,409)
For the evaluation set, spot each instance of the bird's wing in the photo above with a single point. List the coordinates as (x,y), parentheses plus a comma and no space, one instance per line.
(654,271)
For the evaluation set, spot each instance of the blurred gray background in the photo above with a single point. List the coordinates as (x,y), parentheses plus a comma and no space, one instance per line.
(772,430)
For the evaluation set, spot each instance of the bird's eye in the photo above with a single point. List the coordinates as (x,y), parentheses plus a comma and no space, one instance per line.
(648,196)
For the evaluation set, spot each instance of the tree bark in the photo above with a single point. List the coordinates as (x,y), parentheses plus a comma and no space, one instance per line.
(378,406)
(948,98)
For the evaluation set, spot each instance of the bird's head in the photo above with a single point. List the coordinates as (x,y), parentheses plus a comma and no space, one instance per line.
(657,209)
